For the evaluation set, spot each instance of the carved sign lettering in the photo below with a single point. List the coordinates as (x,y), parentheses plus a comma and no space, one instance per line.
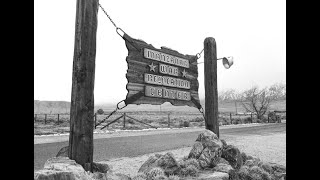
(163,75)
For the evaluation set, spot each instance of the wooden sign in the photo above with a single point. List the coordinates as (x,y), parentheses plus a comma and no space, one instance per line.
(163,75)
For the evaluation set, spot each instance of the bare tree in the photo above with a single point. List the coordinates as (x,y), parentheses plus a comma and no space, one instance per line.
(258,101)
(278,90)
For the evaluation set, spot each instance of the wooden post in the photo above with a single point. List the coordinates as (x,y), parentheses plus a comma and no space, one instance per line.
(124,120)
(95,120)
(58,118)
(268,117)
(210,84)
(45,119)
(230,118)
(169,120)
(82,95)
(251,117)
(235,103)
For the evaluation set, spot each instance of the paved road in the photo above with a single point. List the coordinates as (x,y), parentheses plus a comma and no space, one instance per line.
(131,146)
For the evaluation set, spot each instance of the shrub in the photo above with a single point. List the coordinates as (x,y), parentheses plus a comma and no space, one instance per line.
(173,177)
(236,121)
(184,124)
(197,119)
(243,173)
(247,120)
(131,128)
(140,176)
(191,161)
(156,171)
(189,170)
(256,172)
(266,166)
(131,121)
(224,120)
(100,111)
(201,124)
(244,156)
(160,177)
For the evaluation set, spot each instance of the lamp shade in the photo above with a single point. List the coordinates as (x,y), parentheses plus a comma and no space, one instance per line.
(227,62)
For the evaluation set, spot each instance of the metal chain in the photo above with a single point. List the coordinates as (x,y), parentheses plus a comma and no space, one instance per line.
(199,54)
(114,111)
(202,112)
(108,15)
(117,28)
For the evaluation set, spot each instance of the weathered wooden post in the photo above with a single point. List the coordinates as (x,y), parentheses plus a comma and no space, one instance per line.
(168,120)
(45,119)
(58,118)
(82,97)
(124,120)
(95,120)
(230,118)
(210,84)
(251,117)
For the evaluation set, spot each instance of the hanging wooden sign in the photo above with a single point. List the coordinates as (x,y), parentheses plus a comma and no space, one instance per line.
(163,75)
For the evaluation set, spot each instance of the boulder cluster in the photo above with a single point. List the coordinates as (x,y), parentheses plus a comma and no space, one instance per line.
(209,159)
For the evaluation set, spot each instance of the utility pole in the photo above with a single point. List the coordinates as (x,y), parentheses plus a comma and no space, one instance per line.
(82,97)
(210,85)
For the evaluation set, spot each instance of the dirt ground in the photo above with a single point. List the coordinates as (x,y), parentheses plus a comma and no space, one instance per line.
(269,148)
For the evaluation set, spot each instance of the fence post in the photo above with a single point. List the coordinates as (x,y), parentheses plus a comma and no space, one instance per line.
(230,118)
(251,117)
(45,118)
(58,119)
(268,117)
(169,120)
(124,120)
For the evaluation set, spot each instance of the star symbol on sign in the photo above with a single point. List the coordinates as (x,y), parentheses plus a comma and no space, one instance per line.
(184,73)
(152,67)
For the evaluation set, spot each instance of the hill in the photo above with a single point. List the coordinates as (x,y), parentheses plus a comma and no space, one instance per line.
(52,107)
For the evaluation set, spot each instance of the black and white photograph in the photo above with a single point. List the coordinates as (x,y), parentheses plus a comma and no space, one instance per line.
(159,90)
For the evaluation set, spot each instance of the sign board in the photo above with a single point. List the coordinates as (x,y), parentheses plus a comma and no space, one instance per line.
(163,75)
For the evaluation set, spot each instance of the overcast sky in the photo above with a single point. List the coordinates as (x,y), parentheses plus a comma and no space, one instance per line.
(252,31)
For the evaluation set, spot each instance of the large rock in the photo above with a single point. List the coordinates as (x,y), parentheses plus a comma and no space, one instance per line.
(207,149)
(166,162)
(222,160)
(221,167)
(278,171)
(100,167)
(63,152)
(196,150)
(209,175)
(62,168)
(117,176)
(233,156)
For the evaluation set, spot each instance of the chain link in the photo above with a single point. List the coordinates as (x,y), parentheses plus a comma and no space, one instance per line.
(199,54)
(202,112)
(108,16)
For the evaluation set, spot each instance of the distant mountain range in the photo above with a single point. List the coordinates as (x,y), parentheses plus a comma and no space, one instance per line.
(55,107)
(51,107)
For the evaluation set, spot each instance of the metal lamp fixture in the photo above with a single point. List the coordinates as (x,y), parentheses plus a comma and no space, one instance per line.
(226,61)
